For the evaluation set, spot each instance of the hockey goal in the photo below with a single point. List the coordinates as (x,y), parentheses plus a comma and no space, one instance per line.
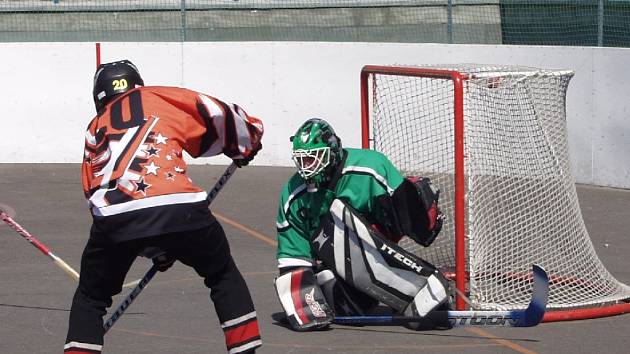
(494,140)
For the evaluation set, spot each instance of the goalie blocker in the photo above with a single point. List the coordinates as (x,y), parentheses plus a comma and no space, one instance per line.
(365,260)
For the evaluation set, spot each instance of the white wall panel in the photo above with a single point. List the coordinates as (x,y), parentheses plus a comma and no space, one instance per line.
(47,101)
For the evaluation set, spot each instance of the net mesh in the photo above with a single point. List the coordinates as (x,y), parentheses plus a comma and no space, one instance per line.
(520,198)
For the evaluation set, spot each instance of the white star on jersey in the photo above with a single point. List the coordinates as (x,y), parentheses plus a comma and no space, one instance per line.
(160,139)
(152,168)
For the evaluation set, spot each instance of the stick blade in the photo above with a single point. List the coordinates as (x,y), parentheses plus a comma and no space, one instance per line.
(538,304)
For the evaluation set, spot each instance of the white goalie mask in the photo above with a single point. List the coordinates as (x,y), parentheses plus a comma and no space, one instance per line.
(316,150)
(311,162)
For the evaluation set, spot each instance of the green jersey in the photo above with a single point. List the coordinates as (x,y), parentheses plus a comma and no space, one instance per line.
(365,175)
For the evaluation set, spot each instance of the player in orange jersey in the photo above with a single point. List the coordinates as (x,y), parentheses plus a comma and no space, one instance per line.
(134,177)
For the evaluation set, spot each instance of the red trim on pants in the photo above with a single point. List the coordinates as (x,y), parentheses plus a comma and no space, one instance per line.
(241,334)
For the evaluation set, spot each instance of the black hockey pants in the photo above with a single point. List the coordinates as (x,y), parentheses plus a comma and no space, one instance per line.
(104,266)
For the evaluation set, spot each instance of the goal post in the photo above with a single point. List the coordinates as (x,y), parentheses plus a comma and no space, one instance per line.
(494,140)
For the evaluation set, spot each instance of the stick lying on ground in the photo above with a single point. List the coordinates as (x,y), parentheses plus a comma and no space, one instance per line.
(149,275)
(45,250)
(529,317)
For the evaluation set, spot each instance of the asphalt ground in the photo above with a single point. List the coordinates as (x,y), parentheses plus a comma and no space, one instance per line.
(174,313)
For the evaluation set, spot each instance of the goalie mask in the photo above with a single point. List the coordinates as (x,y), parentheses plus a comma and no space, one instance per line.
(316,152)
(112,79)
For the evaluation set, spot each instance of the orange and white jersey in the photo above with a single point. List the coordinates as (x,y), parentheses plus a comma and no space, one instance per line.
(133,160)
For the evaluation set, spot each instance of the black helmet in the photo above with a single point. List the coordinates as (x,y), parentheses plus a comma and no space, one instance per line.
(112,79)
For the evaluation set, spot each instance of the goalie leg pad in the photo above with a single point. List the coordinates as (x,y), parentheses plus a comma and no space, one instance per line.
(429,297)
(365,260)
(345,300)
(302,300)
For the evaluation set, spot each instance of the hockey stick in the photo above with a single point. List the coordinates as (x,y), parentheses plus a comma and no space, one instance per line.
(529,317)
(129,299)
(40,246)
(149,275)
(221,182)
(45,250)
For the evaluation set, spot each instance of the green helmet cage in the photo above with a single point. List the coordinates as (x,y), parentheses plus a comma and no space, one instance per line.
(316,151)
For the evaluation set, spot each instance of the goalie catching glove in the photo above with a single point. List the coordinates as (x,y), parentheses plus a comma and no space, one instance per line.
(412,211)
(430,196)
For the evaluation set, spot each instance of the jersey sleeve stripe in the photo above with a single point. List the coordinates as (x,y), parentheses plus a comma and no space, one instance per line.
(368,171)
(90,139)
(230,148)
(283,226)
(218,116)
(210,136)
(243,134)
(296,192)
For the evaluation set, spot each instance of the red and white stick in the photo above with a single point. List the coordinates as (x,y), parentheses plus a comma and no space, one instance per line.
(40,246)
(45,250)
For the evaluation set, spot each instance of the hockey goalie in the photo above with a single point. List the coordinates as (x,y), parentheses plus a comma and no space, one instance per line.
(339,220)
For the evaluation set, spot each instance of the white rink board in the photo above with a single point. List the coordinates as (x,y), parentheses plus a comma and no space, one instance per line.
(47,100)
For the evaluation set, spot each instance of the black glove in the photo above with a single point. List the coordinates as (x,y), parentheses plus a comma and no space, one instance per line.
(159,258)
(245,161)
(163,261)
(430,196)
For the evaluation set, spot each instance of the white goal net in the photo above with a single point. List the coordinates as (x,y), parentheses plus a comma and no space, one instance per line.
(519,199)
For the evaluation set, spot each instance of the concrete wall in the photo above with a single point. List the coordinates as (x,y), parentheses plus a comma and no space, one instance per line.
(46,91)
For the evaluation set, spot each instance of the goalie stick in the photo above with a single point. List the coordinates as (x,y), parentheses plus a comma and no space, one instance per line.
(529,317)
(151,272)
